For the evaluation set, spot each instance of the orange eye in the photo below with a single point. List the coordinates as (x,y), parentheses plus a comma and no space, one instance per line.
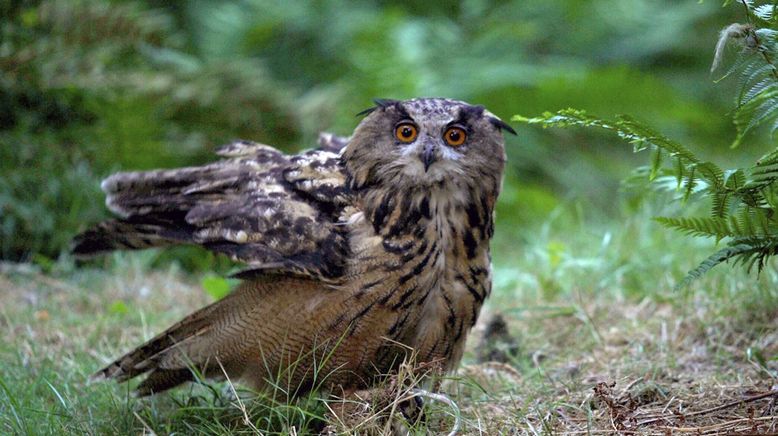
(406,132)
(455,136)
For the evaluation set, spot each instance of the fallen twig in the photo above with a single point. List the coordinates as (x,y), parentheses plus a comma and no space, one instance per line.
(718,426)
(713,409)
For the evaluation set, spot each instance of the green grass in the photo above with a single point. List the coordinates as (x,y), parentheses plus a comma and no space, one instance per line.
(584,303)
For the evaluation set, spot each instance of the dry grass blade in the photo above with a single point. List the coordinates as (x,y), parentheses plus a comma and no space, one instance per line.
(146,428)
(731,404)
(728,426)
(242,407)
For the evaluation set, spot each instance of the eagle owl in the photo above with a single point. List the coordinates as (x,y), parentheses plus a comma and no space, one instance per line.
(357,253)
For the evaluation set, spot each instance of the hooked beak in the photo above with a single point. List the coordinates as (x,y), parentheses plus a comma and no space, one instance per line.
(428,156)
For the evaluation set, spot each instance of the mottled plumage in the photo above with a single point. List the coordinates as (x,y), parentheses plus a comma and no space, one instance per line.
(358,252)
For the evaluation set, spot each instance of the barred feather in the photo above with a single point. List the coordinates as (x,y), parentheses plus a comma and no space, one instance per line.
(257,206)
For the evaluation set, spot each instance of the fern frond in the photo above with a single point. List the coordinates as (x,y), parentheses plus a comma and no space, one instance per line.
(691,182)
(743,201)
(711,173)
(763,171)
(566,118)
(763,176)
(734,179)
(768,159)
(716,258)
(762,248)
(656,164)
(689,168)
(679,172)
(720,202)
(742,223)
(766,83)
(766,36)
(721,198)
(751,222)
(706,227)
(757,101)
(635,131)
(754,73)
(749,252)
(764,12)
(743,61)
(762,107)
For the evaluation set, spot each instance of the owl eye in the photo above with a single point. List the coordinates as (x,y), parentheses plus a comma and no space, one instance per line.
(455,136)
(406,132)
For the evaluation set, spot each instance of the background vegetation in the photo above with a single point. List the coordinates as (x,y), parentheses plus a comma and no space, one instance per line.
(92,87)
(88,88)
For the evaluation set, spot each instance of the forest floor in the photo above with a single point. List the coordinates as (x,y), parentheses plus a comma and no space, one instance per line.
(578,362)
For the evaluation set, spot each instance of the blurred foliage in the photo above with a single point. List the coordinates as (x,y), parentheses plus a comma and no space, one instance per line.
(91,87)
(743,201)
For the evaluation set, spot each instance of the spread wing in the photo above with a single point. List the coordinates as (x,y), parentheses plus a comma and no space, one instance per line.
(274,212)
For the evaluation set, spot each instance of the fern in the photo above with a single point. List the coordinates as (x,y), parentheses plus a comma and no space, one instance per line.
(757,101)
(761,108)
(744,201)
(723,255)
(689,167)
(743,208)
(707,227)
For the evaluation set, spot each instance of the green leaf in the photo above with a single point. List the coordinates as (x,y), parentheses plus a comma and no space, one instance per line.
(656,164)
(215,286)
(118,307)
(44,262)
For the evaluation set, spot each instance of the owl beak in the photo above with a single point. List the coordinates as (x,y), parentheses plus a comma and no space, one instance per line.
(428,156)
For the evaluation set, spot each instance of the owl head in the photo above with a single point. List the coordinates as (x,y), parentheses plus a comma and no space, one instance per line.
(427,143)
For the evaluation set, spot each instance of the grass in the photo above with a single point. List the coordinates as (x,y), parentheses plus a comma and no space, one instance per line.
(595,341)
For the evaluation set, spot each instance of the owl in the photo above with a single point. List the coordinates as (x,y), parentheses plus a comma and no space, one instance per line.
(358,254)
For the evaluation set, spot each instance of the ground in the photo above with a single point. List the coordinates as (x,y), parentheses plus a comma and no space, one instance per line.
(591,343)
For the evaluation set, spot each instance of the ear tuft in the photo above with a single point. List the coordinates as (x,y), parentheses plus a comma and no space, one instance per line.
(502,125)
(381,103)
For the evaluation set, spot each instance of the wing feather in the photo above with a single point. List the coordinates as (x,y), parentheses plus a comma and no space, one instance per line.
(274,212)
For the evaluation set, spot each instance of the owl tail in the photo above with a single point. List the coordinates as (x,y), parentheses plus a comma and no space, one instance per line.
(205,342)
(150,356)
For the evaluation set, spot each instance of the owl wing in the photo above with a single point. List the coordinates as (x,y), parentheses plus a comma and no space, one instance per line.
(273,212)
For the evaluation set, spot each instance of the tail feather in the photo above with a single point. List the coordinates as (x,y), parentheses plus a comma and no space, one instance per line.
(147,356)
(161,380)
(194,343)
